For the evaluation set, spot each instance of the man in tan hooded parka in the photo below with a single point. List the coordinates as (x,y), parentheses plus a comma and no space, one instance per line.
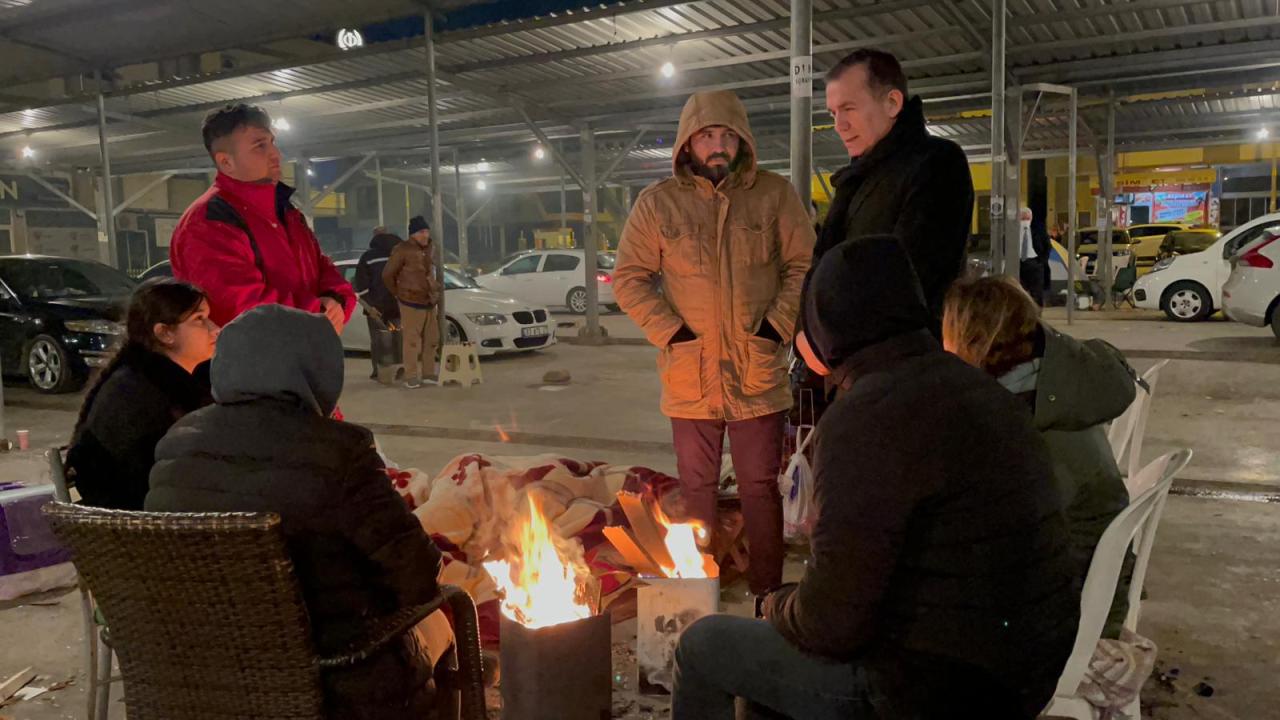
(731,244)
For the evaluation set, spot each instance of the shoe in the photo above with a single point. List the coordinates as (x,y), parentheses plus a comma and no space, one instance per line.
(413,384)
(430,381)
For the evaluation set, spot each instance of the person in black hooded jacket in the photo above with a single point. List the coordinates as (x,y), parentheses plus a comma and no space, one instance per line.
(270,445)
(940,579)
(160,373)
(370,287)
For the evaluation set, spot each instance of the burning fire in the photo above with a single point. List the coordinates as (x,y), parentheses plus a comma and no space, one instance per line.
(682,539)
(544,584)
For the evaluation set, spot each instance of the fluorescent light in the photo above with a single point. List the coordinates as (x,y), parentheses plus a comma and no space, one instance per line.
(1264,133)
(281,123)
(481,185)
(310,172)
(28,153)
(539,153)
(483,165)
(668,69)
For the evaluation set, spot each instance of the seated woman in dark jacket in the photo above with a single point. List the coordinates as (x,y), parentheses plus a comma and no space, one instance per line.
(1073,389)
(269,445)
(160,374)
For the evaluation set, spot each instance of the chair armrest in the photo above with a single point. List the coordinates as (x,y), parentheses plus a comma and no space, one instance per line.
(380,632)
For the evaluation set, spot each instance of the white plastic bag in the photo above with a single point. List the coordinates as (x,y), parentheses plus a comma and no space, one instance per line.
(796,485)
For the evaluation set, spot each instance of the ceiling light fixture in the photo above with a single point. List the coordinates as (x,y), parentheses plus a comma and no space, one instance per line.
(281,124)
(1264,133)
(28,153)
(483,165)
(539,153)
(668,69)
(481,185)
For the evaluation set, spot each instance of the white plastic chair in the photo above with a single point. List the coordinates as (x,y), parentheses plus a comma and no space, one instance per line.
(1127,431)
(1135,524)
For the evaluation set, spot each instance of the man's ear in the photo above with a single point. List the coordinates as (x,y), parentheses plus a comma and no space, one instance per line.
(222,161)
(896,102)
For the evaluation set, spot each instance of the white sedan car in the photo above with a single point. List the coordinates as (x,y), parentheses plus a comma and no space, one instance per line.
(1252,294)
(552,278)
(496,323)
(1189,287)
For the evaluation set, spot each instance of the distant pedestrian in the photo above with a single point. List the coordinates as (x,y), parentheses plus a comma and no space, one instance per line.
(1033,256)
(372,289)
(410,276)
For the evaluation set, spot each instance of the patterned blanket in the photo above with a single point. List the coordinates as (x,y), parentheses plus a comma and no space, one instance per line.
(468,504)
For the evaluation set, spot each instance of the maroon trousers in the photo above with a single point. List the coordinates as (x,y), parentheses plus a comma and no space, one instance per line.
(756,446)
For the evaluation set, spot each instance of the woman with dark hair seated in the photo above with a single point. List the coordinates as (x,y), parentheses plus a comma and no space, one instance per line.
(160,373)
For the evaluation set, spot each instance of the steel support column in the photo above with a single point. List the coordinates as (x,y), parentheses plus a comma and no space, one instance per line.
(1072,214)
(460,210)
(107,218)
(377,169)
(802,98)
(591,243)
(437,197)
(1106,250)
(998,157)
(1013,182)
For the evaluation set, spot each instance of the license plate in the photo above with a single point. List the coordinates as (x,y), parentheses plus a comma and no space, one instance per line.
(541,331)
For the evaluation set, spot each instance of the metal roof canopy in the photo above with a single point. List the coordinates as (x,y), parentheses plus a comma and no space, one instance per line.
(598,66)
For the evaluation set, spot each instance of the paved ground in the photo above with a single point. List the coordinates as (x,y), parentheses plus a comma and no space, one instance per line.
(1213,598)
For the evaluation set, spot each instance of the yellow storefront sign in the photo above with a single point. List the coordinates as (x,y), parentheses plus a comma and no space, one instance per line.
(1152,178)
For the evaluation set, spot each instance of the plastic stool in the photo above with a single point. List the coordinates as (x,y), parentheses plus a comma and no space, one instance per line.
(460,364)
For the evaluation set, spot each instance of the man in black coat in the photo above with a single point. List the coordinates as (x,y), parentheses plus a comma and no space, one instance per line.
(370,287)
(940,583)
(900,180)
(269,445)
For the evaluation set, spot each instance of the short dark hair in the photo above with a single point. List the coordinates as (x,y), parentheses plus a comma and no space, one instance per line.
(227,119)
(883,70)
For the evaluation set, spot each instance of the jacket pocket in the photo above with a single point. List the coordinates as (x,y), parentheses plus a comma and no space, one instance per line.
(766,367)
(681,248)
(681,370)
(754,243)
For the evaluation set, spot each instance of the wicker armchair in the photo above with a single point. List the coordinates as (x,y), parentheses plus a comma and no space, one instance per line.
(208,621)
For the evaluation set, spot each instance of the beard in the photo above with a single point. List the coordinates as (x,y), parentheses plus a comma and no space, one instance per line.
(714,173)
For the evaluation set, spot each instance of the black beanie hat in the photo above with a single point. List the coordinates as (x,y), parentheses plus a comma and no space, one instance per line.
(418,223)
(863,292)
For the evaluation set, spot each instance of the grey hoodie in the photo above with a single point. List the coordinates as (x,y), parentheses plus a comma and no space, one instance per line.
(277,352)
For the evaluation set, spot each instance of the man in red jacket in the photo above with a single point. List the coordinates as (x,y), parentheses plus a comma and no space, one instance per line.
(243,242)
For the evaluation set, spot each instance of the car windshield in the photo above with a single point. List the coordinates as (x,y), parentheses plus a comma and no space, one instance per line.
(1090,237)
(61,278)
(458,281)
(1141,232)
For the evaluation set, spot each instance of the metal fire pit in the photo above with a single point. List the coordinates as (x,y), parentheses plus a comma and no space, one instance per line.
(664,608)
(562,672)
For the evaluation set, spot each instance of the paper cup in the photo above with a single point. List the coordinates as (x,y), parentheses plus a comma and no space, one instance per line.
(24,439)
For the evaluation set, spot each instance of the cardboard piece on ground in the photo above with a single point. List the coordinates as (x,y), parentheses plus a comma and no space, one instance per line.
(15,683)
(645,528)
(631,552)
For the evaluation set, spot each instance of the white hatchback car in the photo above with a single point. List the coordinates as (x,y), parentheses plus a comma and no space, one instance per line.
(1189,287)
(1252,294)
(552,278)
(496,323)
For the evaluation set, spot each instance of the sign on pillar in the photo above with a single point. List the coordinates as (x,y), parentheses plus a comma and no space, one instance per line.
(802,76)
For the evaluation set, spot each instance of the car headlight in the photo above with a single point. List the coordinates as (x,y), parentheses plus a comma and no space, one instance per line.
(1162,264)
(486,318)
(97,327)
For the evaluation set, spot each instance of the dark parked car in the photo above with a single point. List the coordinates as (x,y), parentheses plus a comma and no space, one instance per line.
(59,317)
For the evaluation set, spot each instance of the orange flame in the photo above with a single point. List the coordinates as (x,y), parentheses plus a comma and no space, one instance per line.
(682,541)
(543,585)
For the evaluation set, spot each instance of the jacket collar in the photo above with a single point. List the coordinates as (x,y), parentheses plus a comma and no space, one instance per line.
(907,130)
(189,390)
(883,356)
(267,199)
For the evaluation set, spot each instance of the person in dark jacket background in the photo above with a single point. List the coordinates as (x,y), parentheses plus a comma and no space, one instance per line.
(1074,388)
(410,277)
(1033,256)
(160,373)
(939,576)
(269,445)
(371,288)
(900,180)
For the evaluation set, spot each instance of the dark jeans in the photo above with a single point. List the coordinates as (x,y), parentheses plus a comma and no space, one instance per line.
(1031,273)
(757,459)
(722,657)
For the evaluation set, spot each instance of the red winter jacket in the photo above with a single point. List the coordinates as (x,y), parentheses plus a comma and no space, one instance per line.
(245,245)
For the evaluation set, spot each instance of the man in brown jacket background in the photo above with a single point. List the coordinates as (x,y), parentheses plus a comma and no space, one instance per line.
(732,244)
(410,276)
